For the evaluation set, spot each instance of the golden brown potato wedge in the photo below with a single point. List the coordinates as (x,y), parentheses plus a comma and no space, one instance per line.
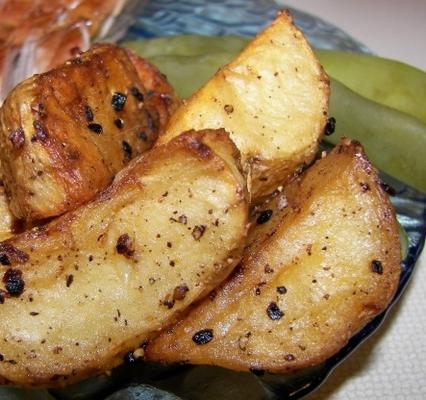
(273,99)
(96,283)
(66,133)
(324,260)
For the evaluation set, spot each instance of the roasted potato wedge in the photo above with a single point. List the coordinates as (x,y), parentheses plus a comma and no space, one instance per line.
(64,134)
(273,99)
(323,260)
(83,291)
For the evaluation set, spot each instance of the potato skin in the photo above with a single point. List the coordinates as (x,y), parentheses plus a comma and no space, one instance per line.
(325,263)
(64,134)
(272,99)
(101,280)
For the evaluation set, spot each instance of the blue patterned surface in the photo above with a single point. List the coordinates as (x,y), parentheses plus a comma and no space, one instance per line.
(165,18)
(237,17)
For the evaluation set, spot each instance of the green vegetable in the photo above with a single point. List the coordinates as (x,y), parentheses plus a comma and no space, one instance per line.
(187,45)
(188,60)
(388,82)
(189,73)
(394,141)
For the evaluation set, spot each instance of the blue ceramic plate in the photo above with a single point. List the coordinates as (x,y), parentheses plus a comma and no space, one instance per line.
(246,18)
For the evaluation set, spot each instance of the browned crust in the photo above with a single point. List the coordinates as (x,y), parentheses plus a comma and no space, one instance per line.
(174,345)
(58,234)
(79,151)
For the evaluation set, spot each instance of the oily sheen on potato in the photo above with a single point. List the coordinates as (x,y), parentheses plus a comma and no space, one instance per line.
(82,292)
(323,260)
(272,99)
(64,134)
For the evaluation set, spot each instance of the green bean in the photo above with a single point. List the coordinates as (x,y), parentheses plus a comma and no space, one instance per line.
(394,141)
(385,81)
(187,45)
(188,73)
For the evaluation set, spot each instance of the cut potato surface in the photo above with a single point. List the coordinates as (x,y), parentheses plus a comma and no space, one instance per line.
(64,134)
(83,291)
(323,260)
(272,98)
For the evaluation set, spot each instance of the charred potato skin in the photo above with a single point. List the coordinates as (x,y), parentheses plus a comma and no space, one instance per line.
(97,261)
(288,306)
(65,133)
(272,99)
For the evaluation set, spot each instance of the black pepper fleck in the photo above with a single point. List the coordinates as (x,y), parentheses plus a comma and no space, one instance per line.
(14,283)
(289,357)
(97,128)
(119,123)
(274,311)
(124,245)
(69,280)
(281,289)
(264,216)
(3,295)
(88,113)
(376,266)
(203,337)
(364,186)
(330,127)
(127,150)
(268,269)
(136,93)
(168,303)
(118,101)
(198,231)
(180,291)
(4,259)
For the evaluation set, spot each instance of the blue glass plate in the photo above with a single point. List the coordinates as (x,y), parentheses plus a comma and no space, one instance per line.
(246,18)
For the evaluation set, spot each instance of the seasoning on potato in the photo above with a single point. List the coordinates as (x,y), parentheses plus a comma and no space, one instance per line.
(325,263)
(272,99)
(59,137)
(82,292)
